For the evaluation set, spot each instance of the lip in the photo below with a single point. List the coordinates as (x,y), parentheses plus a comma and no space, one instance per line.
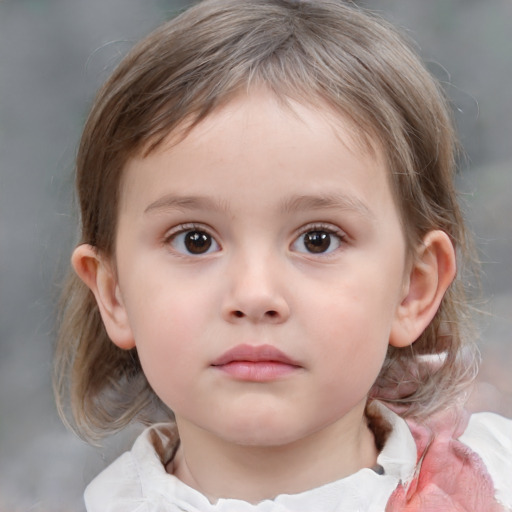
(256,363)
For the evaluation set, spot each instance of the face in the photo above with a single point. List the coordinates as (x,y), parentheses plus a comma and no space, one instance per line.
(260,263)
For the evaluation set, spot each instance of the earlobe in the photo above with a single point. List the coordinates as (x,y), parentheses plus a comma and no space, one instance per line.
(432,272)
(97,273)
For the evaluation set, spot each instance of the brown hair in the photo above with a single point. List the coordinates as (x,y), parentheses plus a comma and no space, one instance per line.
(321,52)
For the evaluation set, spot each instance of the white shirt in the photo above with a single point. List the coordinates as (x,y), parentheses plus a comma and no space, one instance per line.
(138,482)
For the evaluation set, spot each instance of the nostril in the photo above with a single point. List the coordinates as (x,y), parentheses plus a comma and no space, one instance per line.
(239,314)
(271,313)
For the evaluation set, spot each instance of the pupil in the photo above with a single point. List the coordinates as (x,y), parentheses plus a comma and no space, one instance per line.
(317,241)
(197,242)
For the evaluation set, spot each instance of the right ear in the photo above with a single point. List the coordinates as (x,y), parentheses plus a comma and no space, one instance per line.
(97,273)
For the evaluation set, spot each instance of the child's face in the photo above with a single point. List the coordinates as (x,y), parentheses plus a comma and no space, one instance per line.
(261,263)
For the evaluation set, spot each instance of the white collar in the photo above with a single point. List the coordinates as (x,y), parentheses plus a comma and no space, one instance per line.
(363,490)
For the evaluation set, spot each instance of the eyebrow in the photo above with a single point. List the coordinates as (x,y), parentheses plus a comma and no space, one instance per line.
(293,204)
(328,201)
(174,202)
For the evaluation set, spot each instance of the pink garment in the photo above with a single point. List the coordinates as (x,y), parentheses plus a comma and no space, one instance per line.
(449,476)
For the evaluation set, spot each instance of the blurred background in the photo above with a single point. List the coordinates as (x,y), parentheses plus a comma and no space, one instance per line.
(54,54)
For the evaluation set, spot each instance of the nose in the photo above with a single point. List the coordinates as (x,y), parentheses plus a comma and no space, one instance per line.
(255,292)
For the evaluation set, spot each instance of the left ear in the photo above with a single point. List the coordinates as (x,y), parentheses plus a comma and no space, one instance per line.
(432,272)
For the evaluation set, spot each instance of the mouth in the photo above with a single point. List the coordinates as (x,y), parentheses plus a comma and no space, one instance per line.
(256,363)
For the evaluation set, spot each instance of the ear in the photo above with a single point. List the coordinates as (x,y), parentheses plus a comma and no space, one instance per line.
(432,272)
(97,273)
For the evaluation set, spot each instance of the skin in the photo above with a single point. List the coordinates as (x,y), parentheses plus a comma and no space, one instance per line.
(257,181)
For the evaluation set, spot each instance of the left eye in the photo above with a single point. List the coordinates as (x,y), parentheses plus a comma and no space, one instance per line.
(193,242)
(317,241)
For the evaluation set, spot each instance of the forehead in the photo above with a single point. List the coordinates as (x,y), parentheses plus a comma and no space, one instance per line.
(257,104)
(257,137)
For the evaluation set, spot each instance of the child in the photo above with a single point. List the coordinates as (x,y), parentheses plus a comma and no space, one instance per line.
(269,239)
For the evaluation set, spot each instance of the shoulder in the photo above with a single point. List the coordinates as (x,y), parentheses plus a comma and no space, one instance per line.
(115,487)
(132,482)
(490,436)
(493,428)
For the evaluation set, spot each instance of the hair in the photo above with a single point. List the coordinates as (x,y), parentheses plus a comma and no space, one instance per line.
(326,53)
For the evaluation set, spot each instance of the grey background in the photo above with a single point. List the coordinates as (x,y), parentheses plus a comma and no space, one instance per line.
(53,56)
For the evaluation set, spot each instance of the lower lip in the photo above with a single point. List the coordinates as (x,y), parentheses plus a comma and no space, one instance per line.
(257,371)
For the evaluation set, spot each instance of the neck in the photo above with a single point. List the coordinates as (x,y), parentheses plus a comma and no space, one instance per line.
(220,469)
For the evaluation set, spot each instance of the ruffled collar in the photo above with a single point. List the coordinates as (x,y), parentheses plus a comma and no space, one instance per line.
(426,469)
(363,490)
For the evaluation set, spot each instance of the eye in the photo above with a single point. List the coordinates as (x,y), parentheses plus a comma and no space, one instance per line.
(318,241)
(193,241)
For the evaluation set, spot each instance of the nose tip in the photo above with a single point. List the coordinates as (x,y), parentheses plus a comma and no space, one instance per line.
(251,298)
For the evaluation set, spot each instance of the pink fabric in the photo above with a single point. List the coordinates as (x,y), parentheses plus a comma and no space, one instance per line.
(449,477)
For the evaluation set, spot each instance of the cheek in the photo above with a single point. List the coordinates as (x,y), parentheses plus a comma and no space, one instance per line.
(168,329)
(163,308)
(353,328)
(354,354)
(168,356)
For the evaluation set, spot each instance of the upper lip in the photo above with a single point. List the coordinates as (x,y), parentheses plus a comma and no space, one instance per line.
(254,354)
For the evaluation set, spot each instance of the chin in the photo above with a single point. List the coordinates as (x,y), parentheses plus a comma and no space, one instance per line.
(253,433)
(263,441)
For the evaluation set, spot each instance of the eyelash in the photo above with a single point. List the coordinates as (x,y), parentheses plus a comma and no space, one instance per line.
(183,229)
(322,228)
(331,231)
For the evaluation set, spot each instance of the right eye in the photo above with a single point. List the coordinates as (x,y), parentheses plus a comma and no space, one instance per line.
(193,242)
